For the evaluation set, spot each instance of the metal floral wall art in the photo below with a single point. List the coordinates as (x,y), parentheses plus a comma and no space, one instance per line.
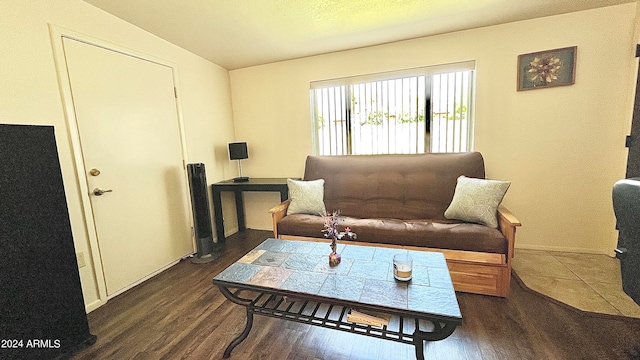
(547,69)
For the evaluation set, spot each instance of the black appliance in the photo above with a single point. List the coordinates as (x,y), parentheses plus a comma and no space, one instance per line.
(626,205)
(201,214)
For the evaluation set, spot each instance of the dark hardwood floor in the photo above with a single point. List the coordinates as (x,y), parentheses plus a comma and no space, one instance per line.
(179,314)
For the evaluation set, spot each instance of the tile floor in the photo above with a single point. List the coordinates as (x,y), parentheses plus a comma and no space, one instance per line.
(588,282)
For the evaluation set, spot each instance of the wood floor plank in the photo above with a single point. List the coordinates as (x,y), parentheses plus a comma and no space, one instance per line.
(179,314)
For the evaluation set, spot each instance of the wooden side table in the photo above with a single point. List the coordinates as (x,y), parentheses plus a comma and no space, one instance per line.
(254,184)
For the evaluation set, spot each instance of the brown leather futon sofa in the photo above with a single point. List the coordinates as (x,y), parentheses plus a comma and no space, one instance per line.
(400,201)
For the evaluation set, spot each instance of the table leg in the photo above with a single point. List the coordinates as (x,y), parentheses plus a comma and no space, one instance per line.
(240,338)
(247,328)
(419,345)
(240,210)
(439,332)
(217,210)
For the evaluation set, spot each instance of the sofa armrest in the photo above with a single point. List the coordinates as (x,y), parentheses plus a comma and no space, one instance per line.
(277,213)
(507,222)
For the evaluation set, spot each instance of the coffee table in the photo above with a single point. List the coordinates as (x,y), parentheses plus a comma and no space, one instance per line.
(292,280)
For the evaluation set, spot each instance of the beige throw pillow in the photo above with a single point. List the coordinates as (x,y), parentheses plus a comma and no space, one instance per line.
(477,200)
(307,197)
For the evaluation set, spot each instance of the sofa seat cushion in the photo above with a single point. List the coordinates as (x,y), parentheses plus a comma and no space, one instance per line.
(441,234)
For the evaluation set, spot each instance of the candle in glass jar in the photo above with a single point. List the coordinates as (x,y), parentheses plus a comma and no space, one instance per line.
(402,266)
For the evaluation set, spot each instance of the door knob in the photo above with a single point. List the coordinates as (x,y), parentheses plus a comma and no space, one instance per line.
(100,192)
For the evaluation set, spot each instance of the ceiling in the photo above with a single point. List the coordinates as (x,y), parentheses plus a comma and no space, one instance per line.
(241,33)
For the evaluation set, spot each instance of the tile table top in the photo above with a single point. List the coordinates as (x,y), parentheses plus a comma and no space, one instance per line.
(365,275)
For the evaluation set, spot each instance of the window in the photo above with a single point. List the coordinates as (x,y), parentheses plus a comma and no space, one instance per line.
(407,112)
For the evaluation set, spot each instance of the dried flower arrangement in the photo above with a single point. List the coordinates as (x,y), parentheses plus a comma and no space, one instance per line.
(332,219)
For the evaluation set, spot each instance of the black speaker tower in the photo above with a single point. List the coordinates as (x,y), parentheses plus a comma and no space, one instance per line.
(42,310)
(201,214)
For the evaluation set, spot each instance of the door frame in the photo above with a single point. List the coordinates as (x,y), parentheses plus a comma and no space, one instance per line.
(57,35)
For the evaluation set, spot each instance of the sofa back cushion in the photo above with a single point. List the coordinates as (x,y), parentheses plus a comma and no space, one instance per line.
(416,186)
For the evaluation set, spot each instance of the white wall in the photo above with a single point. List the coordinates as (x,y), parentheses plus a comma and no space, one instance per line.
(30,94)
(562,148)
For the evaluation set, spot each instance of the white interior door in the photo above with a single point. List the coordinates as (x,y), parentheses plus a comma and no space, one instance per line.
(131,143)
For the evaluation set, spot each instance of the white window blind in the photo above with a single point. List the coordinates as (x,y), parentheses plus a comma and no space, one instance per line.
(406,112)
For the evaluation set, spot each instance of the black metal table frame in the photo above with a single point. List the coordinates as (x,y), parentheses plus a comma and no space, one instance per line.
(254,184)
(279,304)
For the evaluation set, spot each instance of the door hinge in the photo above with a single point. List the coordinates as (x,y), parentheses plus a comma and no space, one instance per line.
(628,141)
(175,92)
(637,50)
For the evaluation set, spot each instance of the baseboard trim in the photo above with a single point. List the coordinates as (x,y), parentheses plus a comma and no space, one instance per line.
(94,305)
(563,249)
